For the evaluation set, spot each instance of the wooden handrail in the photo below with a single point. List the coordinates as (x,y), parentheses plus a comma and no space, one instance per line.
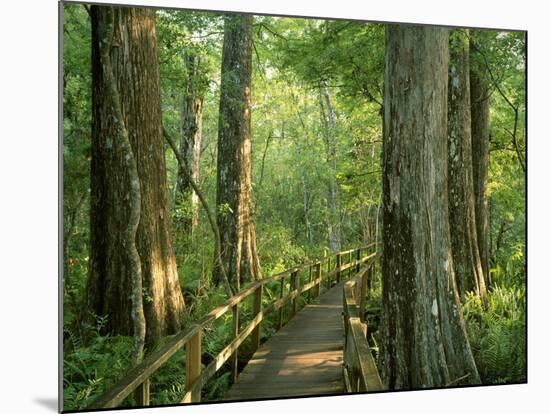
(360,371)
(137,378)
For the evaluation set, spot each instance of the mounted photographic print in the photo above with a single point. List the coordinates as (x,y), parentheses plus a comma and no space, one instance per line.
(260,207)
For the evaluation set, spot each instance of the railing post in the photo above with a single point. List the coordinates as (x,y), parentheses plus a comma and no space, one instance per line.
(310,278)
(142,393)
(369,276)
(329,282)
(358,258)
(282,306)
(235,356)
(338,265)
(193,365)
(363,299)
(256,309)
(294,285)
(318,276)
(350,259)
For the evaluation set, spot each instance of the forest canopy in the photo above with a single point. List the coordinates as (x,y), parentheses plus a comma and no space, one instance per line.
(205,151)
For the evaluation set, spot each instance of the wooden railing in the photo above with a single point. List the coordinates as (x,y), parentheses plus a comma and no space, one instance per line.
(331,270)
(360,371)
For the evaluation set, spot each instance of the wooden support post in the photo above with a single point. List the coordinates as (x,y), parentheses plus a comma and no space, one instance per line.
(294,285)
(350,259)
(357,293)
(235,356)
(310,278)
(142,393)
(338,265)
(281,308)
(256,309)
(329,282)
(193,365)
(318,276)
(369,276)
(358,258)
(363,299)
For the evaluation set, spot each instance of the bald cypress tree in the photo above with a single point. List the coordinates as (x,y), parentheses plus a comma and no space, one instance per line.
(465,248)
(190,142)
(234,184)
(424,342)
(126,101)
(479,100)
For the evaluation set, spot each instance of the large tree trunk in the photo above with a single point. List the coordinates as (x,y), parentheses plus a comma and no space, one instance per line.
(479,93)
(466,260)
(135,71)
(233,201)
(190,144)
(424,342)
(333,224)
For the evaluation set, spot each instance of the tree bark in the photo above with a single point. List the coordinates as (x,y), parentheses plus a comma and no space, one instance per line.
(135,72)
(190,144)
(479,96)
(333,224)
(466,260)
(234,185)
(424,342)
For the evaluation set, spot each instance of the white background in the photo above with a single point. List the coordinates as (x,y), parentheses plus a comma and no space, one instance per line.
(29,203)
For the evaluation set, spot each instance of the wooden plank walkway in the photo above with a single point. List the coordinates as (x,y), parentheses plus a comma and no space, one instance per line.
(303,358)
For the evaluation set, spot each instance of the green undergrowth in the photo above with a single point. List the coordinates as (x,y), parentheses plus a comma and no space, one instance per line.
(88,369)
(498,336)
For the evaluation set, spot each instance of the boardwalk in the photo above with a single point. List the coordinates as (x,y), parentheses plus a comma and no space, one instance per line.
(303,358)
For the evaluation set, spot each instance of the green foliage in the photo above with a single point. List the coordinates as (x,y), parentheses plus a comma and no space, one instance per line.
(168,382)
(89,370)
(278,251)
(76,158)
(498,335)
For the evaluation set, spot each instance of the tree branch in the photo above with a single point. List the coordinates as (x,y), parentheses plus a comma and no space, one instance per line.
(273,32)
(267,141)
(515,141)
(262,69)
(490,72)
(87,10)
(515,108)
(457,380)
(184,167)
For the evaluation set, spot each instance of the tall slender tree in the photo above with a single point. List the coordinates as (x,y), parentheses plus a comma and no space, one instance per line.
(479,98)
(191,137)
(466,259)
(424,338)
(234,185)
(126,104)
(327,117)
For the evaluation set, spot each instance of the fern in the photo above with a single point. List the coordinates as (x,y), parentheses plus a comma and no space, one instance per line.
(498,335)
(89,370)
